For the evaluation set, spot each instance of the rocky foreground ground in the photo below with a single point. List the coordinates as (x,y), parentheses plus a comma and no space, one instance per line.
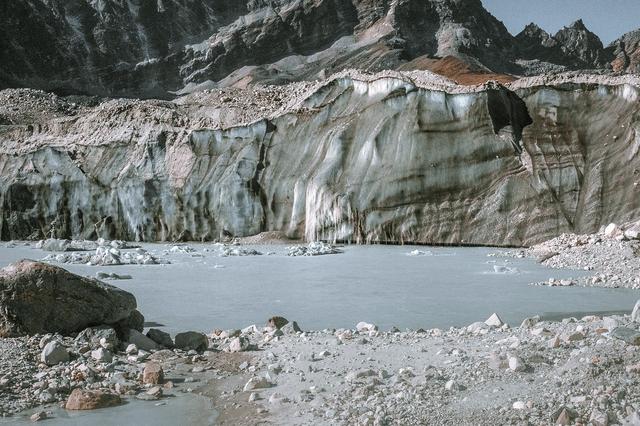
(578,371)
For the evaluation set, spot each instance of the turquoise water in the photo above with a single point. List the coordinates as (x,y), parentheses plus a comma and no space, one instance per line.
(379,284)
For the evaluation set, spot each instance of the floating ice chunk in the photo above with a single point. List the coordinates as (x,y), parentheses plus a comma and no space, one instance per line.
(106,255)
(54,244)
(226,251)
(112,276)
(501,269)
(315,248)
(419,253)
(182,249)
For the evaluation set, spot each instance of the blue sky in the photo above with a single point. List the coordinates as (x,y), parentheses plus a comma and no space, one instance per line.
(609,19)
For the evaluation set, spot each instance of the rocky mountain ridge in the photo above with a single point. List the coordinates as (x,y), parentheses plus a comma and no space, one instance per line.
(157,48)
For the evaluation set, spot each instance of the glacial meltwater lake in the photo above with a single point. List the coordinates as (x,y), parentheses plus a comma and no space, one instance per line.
(380,284)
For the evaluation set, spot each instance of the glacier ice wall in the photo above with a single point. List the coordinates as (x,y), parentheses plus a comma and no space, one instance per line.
(363,161)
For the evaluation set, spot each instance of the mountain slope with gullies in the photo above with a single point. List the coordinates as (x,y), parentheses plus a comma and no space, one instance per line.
(386,157)
(164,48)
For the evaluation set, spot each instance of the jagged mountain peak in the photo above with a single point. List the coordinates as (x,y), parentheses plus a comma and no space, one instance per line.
(578,25)
(532,27)
(532,33)
(572,47)
(582,47)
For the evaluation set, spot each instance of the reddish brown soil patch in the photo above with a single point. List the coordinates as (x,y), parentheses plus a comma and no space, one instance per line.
(455,69)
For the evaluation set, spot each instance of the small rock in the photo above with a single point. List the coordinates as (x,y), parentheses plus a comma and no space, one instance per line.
(291,328)
(252,329)
(366,327)
(152,394)
(131,349)
(540,331)
(632,234)
(257,383)
(102,355)
(554,342)
(40,415)
(477,328)
(239,344)
(54,353)
(152,373)
(142,341)
(191,340)
(530,322)
(494,321)
(91,400)
(155,391)
(612,230)
(104,336)
(277,322)
(277,398)
(516,364)
(160,337)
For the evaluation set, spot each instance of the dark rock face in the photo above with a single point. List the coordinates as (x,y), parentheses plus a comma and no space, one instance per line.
(153,48)
(40,298)
(104,47)
(268,35)
(456,27)
(626,53)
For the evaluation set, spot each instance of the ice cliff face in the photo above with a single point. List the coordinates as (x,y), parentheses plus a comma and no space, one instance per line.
(386,158)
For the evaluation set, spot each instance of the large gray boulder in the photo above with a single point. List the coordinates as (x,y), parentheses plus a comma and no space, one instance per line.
(39,298)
